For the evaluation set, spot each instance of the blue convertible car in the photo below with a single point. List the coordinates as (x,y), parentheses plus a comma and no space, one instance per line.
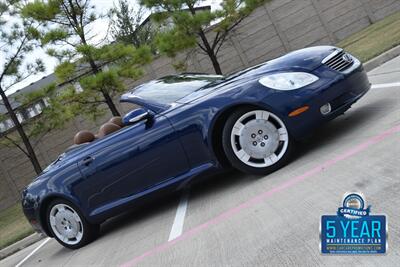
(190,125)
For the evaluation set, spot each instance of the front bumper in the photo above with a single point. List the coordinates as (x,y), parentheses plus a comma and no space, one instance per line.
(341,90)
(33,219)
(30,207)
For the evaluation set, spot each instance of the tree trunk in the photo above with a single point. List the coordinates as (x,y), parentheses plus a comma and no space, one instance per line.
(106,95)
(210,52)
(22,134)
(110,104)
(214,60)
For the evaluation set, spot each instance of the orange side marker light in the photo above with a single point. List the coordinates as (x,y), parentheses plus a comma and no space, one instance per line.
(298,111)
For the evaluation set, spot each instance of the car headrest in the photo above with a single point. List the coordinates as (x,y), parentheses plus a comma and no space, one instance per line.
(107,128)
(117,120)
(83,137)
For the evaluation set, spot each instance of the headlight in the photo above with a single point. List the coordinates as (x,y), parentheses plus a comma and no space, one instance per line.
(288,80)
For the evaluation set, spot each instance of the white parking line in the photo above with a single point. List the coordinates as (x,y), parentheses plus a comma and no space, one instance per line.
(33,252)
(177,226)
(385,85)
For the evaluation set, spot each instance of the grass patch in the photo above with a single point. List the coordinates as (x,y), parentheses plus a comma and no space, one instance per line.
(13,225)
(375,39)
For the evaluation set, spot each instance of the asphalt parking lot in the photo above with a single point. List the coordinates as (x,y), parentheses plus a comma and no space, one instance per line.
(239,220)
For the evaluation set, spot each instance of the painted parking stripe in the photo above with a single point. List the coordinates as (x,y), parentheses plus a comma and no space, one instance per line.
(33,252)
(385,85)
(261,197)
(177,226)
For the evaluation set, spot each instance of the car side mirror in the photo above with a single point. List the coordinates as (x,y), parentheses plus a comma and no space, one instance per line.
(136,115)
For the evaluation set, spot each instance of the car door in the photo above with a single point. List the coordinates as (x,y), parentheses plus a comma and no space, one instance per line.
(131,160)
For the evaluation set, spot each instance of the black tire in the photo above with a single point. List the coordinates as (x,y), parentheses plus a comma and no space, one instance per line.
(90,231)
(236,162)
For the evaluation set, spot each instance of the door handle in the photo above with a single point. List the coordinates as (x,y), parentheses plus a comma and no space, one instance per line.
(87,161)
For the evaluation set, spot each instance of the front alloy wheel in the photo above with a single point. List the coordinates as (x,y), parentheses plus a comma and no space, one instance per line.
(256,141)
(68,226)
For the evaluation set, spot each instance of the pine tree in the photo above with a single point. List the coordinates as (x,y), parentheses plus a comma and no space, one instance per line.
(17,39)
(68,37)
(189,24)
(127,25)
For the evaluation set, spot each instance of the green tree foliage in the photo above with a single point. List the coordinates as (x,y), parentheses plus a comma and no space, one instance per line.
(17,40)
(68,37)
(127,25)
(185,26)
(55,115)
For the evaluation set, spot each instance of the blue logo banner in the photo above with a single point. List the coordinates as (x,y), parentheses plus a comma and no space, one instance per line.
(353,230)
(366,235)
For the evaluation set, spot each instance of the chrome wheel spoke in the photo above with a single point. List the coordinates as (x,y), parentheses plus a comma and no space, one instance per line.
(79,236)
(76,217)
(283,135)
(243,155)
(262,115)
(272,158)
(237,128)
(52,220)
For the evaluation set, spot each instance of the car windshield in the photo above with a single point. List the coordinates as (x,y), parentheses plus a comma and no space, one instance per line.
(172,88)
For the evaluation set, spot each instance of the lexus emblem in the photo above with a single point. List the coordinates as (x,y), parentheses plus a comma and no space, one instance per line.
(347,58)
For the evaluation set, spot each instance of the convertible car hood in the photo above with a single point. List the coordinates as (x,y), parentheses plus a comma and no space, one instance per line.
(306,59)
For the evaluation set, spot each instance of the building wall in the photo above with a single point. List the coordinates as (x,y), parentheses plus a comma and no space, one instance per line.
(270,31)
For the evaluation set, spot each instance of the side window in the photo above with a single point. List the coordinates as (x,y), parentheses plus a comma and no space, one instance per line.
(31,112)
(46,101)
(9,124)
(20,117)
(34,110)
(2,127)
(78,87)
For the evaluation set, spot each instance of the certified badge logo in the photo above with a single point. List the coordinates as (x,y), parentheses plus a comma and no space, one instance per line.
(353,230)
(353,206)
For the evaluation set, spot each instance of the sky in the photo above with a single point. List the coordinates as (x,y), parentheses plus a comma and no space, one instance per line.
(99,28)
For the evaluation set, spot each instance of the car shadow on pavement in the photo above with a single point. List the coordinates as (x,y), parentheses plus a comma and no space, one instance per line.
(328,133)
(141,213)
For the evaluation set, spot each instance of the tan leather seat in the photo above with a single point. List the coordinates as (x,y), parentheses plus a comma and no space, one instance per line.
(83,137)
(117,120)
(107,128)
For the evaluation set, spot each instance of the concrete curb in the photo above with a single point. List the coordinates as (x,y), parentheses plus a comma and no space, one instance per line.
(26,242)
(382,58)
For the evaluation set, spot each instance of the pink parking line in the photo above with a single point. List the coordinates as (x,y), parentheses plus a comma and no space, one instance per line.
(259,198)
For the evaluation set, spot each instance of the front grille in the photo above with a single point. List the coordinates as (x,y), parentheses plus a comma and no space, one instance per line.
(339,60)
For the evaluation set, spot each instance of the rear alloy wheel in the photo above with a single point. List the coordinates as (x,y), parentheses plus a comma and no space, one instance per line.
(68,226)
(256,141)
